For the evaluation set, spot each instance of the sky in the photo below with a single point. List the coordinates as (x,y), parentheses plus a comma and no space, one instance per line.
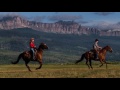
(84,18)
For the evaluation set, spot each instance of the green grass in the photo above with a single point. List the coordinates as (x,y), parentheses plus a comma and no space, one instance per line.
(60,71)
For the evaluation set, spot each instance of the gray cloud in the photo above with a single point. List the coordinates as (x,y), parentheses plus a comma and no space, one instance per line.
(83,22)
(35,18)
(55,17)
(103,13)
(5,14)
(63,17)
(107,25)
(39,18)
(118,23)
(9,14)
(102,25)
(1,16)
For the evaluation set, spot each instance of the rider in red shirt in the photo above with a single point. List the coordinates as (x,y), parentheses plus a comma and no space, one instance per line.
(32,44)
(32,47)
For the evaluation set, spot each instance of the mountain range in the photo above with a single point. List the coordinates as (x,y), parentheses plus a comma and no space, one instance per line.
(61,27)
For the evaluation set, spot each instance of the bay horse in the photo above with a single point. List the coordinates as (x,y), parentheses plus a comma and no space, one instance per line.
(89,55)
(26,56)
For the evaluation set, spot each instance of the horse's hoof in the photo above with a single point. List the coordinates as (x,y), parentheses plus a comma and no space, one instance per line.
(30,70)
(36,68)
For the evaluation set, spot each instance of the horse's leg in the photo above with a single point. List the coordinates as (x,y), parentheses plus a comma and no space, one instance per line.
(101,63)
(87,63)
(40,62)
(26,63)
(90,63)
(105,63)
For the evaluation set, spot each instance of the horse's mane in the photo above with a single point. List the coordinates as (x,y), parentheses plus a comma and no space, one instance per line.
(105,47)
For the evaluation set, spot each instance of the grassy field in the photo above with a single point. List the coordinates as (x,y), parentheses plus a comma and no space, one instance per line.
(60,71)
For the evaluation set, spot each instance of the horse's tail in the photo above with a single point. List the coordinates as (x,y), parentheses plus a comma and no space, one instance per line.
(82,58)
(19,57)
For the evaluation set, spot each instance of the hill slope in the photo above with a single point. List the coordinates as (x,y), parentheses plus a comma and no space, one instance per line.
(63,48)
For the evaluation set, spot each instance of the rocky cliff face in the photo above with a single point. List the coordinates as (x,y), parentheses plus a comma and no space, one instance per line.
(114,32)
(64,27)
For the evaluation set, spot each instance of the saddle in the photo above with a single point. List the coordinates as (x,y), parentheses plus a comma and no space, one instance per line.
(93,52)
(27,54)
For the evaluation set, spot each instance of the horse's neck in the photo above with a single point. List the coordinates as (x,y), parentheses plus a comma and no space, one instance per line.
(39,50)
(103,51)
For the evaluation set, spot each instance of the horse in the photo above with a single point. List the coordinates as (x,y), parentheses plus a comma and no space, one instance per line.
(27,56)
(89,55)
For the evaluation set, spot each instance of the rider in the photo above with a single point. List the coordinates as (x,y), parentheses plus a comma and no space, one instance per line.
(32,47)
(96,47)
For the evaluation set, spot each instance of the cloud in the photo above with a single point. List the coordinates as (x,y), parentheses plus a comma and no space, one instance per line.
(116,25)
(63,17)
(35,18)
(9,13)
(103,13)
(39,18)
(107,25)
(87,22)
(83,22)
(5,14)
(30,18)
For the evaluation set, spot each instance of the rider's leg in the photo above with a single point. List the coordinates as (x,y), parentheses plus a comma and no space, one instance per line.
(96,56)
(32,53)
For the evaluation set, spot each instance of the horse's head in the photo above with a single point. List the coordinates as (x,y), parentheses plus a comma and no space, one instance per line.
(108,48)
(43,46)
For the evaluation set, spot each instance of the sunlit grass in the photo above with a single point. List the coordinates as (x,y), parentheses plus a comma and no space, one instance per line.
(60,71)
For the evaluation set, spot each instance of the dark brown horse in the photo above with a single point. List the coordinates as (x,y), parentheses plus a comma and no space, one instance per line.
(89,55)
(26,56)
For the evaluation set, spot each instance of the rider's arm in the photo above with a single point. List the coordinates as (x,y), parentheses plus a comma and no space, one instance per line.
(97,45)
